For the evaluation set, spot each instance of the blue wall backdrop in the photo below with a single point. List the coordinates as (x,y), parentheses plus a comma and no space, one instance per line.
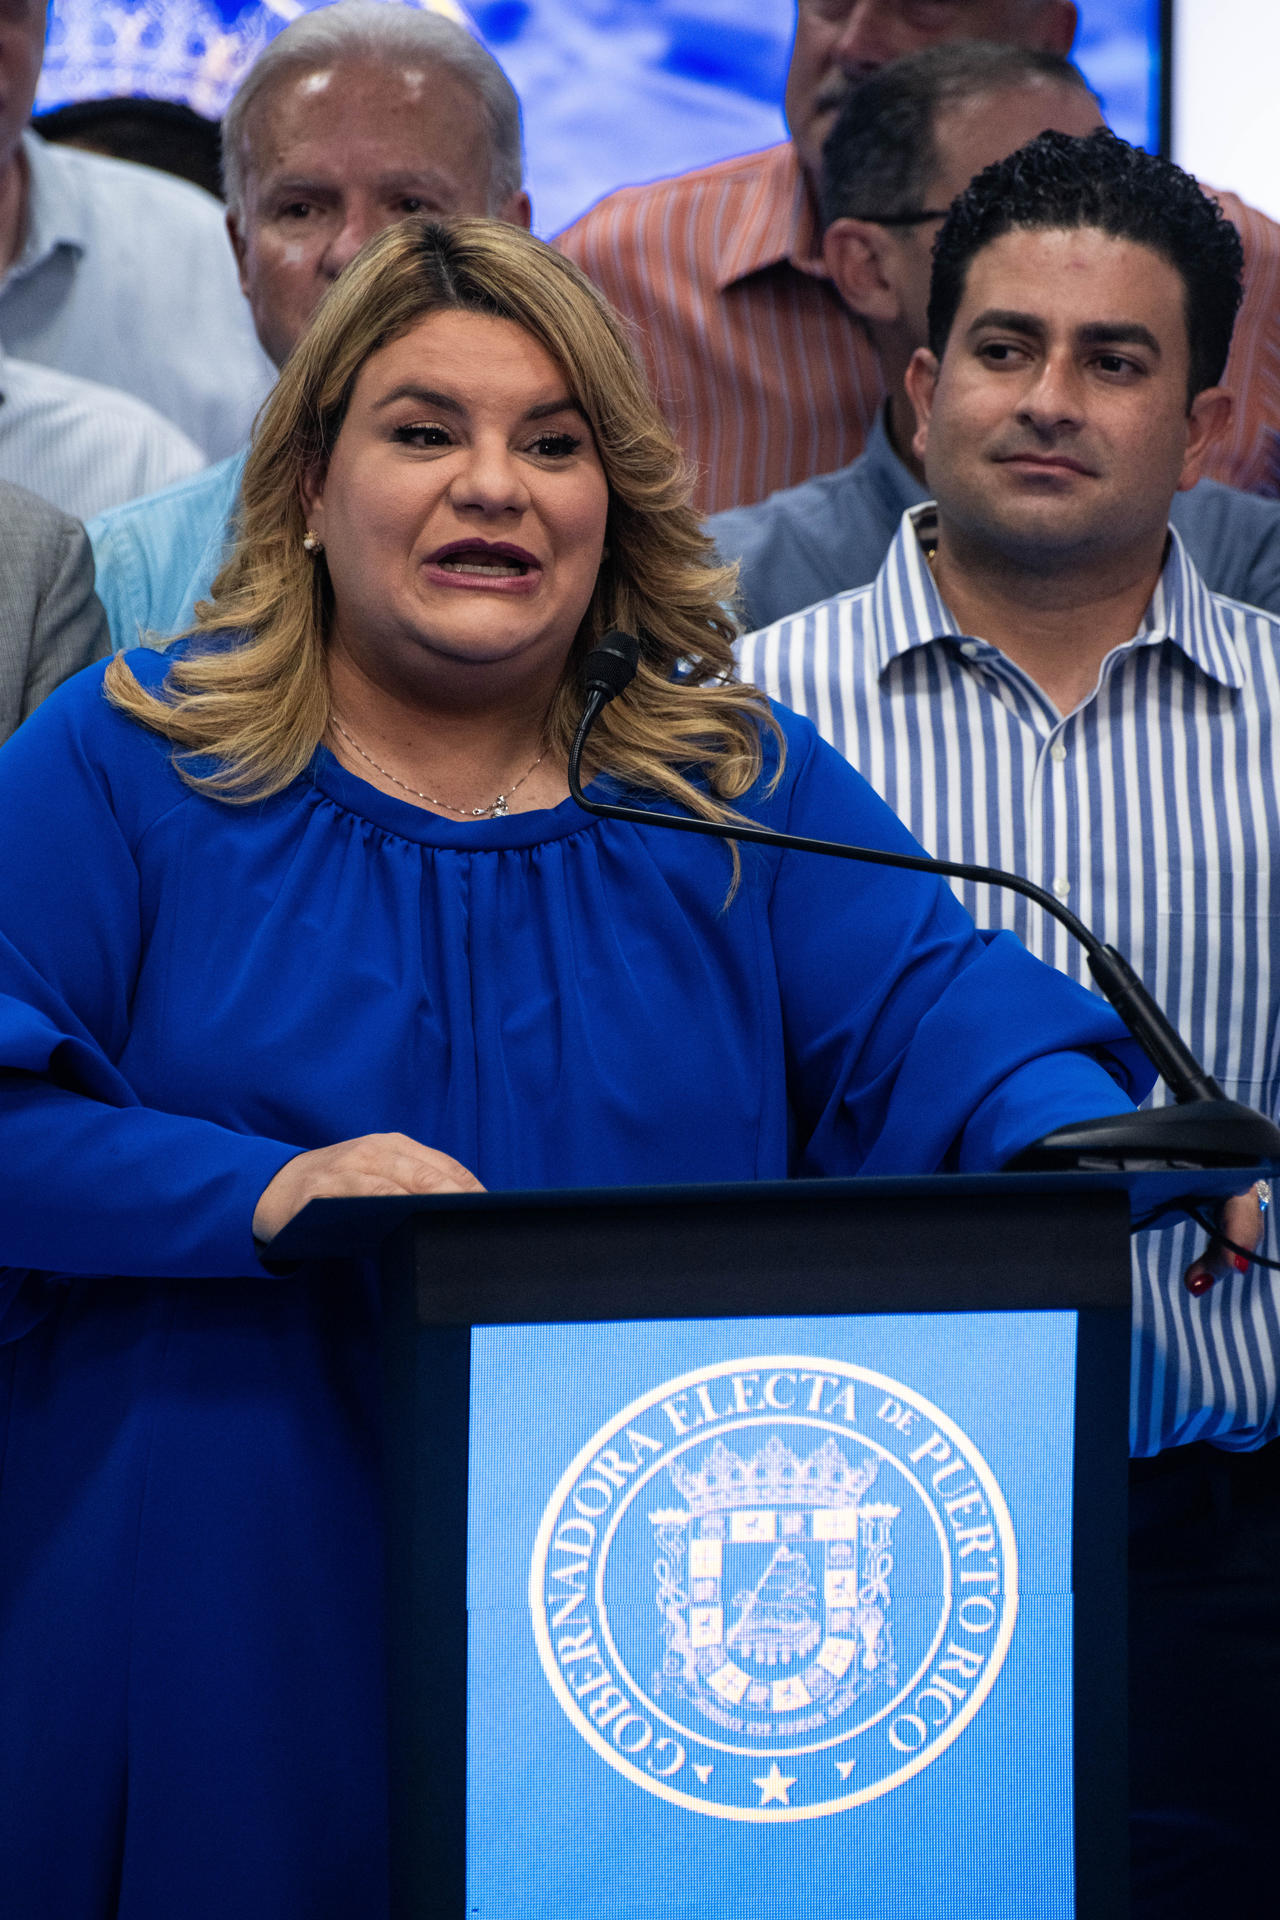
(613,90)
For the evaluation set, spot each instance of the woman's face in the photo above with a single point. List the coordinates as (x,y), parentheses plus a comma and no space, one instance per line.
(462,514)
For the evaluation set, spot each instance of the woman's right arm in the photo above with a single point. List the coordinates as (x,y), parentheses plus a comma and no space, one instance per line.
(91,1181)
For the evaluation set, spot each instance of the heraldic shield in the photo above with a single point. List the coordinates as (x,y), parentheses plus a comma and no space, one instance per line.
(774,1583)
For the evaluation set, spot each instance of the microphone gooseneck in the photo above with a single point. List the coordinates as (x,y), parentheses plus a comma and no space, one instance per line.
(1202,1129)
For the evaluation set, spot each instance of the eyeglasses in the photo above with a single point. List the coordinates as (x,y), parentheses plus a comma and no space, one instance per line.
(902,219)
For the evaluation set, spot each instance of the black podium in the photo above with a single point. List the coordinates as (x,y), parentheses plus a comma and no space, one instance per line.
(835,1575)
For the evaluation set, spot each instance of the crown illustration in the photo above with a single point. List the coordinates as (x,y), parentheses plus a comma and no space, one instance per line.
(774,1476)
(193,50)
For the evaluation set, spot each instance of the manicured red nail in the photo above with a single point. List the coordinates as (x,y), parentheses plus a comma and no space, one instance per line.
(1199,1283)
(1239,1262)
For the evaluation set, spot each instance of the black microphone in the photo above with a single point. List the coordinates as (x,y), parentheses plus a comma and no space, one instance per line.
(607,671)
(1203,1128)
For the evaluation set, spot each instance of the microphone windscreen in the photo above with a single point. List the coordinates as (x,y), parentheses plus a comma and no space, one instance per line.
(610,667)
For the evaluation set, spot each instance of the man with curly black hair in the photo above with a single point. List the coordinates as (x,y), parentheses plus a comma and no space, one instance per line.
(907,140)
(1101,184)
(1080,312)
(1040,679)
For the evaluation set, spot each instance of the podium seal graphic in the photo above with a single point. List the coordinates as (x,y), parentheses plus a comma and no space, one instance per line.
(774,1588)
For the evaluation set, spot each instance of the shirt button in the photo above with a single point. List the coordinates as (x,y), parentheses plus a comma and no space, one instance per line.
(969,648)
(1061,887)
(1057,751)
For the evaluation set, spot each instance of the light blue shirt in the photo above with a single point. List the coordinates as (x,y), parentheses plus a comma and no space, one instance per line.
(126,276)
(832,532)
(1153,811)
(155,558)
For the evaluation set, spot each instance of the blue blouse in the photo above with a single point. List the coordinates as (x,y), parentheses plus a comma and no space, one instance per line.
(190,993)
(194,991)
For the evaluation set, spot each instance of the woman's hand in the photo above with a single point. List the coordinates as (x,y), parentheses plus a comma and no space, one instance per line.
(1240,1221)
(374,1163)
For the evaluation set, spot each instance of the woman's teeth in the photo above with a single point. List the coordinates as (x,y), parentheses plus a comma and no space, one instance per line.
(475,563)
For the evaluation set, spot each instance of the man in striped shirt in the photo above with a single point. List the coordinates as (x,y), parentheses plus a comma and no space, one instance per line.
(765,374)
(1038,679)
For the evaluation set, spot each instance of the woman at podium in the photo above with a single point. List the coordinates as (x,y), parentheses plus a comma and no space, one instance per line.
(300,907)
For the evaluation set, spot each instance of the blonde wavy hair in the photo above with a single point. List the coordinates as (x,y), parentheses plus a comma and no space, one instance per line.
(246,716)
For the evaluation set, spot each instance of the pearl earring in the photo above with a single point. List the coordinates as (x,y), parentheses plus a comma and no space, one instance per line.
(312,542)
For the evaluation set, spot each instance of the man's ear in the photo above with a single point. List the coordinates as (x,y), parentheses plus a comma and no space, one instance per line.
(1208,418)
(1058,29)
(517,211)
(920,381)
(856,256)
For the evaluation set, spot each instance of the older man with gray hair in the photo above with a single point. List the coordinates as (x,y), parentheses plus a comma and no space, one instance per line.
(354,117)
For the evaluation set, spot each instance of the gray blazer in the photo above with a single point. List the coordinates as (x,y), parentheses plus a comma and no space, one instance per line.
(51,624)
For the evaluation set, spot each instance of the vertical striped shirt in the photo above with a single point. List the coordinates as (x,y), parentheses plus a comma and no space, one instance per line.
(1153,811)
(763,372)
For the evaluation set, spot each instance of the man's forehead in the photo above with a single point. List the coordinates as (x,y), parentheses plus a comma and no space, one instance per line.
(1075,281)
(938,20)
(1087,260)
(337,78)
(341,84)
(317,121)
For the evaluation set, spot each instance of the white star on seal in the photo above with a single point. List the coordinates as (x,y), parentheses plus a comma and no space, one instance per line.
(774,1786)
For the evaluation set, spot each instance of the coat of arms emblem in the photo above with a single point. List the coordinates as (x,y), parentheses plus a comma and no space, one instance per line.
(775,1587)
(774,1583)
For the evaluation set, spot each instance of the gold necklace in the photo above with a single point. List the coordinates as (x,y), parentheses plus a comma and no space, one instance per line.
(494,810)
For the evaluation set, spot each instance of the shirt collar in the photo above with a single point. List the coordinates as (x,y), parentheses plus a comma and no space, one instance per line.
(910,612)
(774,222)
(1185,611)
(55,211)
